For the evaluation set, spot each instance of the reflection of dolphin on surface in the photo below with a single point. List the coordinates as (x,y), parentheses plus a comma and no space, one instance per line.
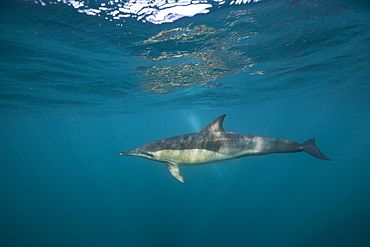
(214,144)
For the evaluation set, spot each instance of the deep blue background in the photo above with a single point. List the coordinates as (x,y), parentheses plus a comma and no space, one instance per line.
(63,182)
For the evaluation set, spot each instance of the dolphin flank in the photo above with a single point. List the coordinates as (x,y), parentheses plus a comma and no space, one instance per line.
(214,144)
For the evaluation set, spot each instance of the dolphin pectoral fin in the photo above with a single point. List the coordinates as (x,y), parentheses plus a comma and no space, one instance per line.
(175,171)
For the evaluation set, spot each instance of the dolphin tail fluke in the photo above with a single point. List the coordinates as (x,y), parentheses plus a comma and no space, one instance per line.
(311,148)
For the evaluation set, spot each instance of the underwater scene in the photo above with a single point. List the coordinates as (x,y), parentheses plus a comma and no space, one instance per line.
(220,102)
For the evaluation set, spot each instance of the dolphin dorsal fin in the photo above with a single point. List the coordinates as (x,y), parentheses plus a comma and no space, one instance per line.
(215,126)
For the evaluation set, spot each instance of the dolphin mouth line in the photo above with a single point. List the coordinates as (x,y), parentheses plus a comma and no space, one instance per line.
(150,155)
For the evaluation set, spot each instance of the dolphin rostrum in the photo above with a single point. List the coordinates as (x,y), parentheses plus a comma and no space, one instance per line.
(214,144)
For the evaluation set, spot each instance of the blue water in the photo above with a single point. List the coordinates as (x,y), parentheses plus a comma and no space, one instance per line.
(82,81)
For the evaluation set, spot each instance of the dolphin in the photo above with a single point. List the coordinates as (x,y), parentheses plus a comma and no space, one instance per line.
(214,144)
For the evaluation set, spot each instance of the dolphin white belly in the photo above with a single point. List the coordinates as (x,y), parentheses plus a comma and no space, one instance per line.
(189,157)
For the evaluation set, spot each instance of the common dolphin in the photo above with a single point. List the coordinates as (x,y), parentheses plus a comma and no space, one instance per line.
(214,144)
